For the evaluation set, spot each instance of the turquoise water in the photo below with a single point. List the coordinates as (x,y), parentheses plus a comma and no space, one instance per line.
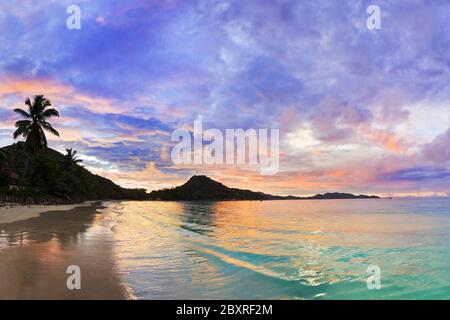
(283,249)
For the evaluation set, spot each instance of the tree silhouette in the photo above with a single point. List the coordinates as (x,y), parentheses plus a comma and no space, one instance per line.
(71,157)
(3,159)
(34,125)
(70,161)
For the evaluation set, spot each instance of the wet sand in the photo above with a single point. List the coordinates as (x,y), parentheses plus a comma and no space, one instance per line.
(35,253)
(15,213)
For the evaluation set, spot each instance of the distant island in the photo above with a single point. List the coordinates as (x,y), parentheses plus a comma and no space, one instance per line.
(204,188)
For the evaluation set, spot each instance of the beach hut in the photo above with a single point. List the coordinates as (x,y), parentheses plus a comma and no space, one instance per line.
(14,181)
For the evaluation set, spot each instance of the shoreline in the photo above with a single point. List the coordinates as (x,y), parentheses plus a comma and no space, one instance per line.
(13,212)
(37,252)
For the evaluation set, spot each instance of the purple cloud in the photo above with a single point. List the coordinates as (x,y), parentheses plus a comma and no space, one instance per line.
(239,64)
(438,150)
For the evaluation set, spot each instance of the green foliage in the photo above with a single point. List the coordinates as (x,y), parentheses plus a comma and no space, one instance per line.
(3,179)
(3,166)
(37,171)
(48,177)
(70,160)
(2,157)
(44,173)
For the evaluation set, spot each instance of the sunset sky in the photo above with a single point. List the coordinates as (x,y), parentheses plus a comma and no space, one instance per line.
(359,110)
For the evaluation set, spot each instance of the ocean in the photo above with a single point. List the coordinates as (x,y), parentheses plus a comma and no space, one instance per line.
(299,249)
(312,249)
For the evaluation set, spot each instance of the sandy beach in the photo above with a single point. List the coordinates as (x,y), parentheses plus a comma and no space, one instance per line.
(13,213)
(37,246)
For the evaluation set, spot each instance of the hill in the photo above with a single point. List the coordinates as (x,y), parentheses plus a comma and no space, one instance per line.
(49,176)
(338,195)
(204,188)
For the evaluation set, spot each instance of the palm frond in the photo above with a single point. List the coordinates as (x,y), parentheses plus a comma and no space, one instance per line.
(41,103)
(47,126)
(30,105)
(50,113)
(70,159)
(23,123)
(45,103)
(21,131)
(23,128)
(23,113)
(37,107)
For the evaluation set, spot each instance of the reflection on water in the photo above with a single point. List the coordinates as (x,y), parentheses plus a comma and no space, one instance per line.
(283,249)
(35,253)
(233,250)
(197,218)
(64,227)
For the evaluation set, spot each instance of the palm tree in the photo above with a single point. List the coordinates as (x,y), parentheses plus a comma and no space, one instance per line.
(32,128)
(70,161)
(71,157)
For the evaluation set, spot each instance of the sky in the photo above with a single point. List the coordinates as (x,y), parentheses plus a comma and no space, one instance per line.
(358,110)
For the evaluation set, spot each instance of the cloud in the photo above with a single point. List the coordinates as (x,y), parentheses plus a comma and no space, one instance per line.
(344,98)
(420,174)
(438,151)
(149,178)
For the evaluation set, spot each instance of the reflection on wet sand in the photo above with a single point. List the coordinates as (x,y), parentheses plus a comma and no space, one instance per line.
(35,253)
